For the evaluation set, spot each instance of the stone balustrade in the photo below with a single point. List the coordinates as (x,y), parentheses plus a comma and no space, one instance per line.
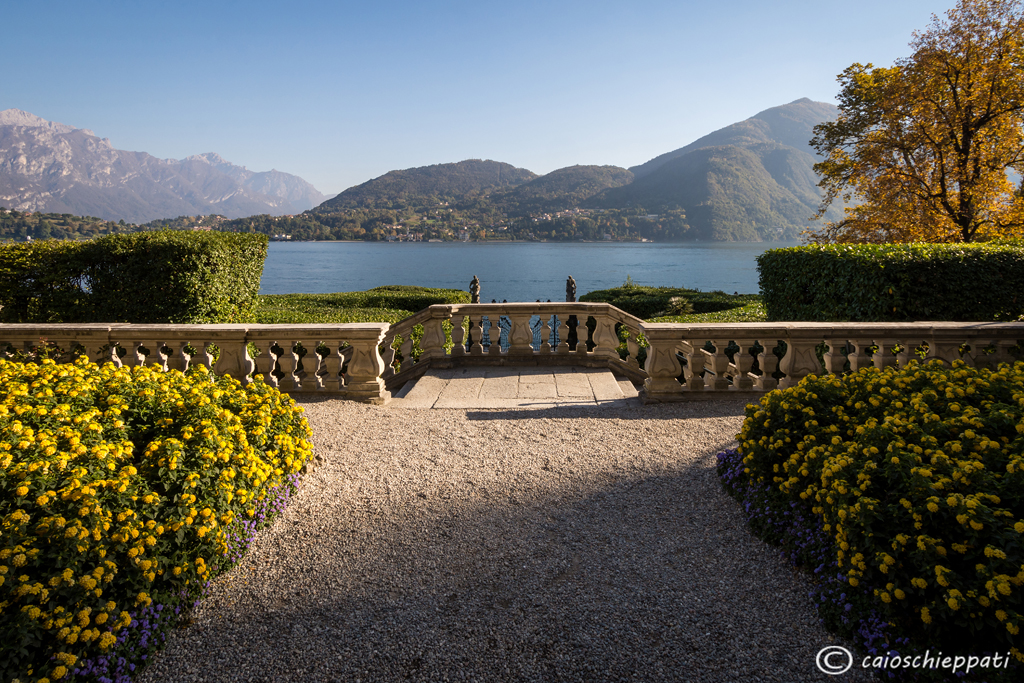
(335,359)
(675,362)
(448,335)
(746,359)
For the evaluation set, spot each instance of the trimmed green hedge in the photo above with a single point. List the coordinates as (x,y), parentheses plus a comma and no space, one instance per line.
(650,302)
(390,303)
(149,277)
(894,282)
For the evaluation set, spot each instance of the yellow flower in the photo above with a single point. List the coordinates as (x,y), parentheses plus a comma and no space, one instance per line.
(926,617)
(21,491)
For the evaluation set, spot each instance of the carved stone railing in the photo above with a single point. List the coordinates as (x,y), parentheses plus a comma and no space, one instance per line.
(365,361)
(341,360)
(591,335)
(739,359)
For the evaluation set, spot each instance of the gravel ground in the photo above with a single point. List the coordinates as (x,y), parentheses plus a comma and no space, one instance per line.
(566,544)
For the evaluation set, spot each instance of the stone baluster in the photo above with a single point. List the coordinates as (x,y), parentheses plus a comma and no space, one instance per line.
(860,355)
(309,376)
(406,350)
(907,352)
(458,335)
(545,334)
(329,376)
(582,334)
(137,358)
(883,356)
(715,364)
(740,366)
(662,366)
(494,334)
(835,359)
(692,379)
(363,380)
(476,331)
(800,359)
(606,342)
(520,336)
(266,361)
(991,354)
(562,333)
(287,363)
(768,363)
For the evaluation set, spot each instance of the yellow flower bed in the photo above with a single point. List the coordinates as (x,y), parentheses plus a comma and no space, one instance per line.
(119,488)
(918,477)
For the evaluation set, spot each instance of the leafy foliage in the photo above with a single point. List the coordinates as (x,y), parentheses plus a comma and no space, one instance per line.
(894,282)
(389,304)
(668,304)
(928,142)
(20,225)
(916,477)
(122,492)
(167,276)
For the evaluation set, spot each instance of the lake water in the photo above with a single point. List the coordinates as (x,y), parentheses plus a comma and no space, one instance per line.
(514,271)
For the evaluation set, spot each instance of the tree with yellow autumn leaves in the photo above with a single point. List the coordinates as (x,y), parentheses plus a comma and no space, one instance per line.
(924,150)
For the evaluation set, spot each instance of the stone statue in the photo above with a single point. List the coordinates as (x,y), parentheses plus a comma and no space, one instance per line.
(474,290)
(570,289)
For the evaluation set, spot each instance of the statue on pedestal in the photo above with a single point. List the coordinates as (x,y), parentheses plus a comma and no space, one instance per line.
(570,290)
(474,290)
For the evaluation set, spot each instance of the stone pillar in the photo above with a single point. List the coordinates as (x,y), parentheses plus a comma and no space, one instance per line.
(662,366)
(363,381)
(800,359)
(606,342)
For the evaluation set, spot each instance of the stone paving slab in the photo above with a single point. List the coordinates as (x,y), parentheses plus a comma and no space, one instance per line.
(504,387)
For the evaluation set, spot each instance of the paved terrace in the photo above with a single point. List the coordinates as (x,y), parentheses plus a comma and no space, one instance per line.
(518,541)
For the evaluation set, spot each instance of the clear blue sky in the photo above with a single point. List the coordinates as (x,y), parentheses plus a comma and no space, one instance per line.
(341,92)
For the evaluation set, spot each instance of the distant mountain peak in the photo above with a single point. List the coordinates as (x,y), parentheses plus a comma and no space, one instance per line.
(17,117)
(46,166)
(211,158)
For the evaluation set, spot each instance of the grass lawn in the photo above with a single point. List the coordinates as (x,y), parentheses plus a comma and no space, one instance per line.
(394,303)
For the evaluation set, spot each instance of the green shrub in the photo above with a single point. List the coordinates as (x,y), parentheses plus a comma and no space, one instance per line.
(651,302)
(389,304)
(148,277)
(124,490)
(917,478)
(894,282)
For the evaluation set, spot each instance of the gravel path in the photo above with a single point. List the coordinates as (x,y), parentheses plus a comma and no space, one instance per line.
(566,544)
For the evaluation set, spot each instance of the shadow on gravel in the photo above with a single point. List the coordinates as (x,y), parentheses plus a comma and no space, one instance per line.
(657,411)
(649,577)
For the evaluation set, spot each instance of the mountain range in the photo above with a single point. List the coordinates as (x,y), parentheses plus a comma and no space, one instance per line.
(750,180)
(53,167)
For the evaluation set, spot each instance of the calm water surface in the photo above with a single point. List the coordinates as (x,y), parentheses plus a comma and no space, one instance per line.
(516,271)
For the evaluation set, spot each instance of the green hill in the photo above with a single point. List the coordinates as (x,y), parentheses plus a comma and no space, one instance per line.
(753,180)
(429,186)
(561,189)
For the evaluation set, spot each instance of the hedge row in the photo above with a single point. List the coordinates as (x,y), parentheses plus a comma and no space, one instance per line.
(122,492)
(894,282)
(903,489)
(149,277)
(652,302)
